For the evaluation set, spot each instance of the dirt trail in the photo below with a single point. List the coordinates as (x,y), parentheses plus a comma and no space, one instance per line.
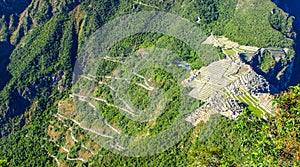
(52,156)
(111,59)
(146,86)
(84,128)
(141,3)
(117,131)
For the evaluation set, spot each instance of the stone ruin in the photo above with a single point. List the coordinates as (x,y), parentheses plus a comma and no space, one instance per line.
(220,85)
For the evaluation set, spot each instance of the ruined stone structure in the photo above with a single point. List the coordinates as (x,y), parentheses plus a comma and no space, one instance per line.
(225,86)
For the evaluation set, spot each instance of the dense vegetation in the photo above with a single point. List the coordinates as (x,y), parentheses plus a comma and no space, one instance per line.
(251,141)
(45,38)
(248,141)
(251,25)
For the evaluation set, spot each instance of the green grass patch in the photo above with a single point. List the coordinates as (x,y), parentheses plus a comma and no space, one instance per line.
(258,112)
(253,99)
(242,50)
(229,52)
(252,105)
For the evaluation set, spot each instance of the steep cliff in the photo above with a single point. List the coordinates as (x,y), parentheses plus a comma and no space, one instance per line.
(292,8)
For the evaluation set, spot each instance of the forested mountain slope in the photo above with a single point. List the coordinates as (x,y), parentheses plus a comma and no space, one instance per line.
(40,41)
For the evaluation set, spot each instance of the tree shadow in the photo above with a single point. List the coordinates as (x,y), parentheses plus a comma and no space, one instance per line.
(13,6)
(292,7)
(5,51)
